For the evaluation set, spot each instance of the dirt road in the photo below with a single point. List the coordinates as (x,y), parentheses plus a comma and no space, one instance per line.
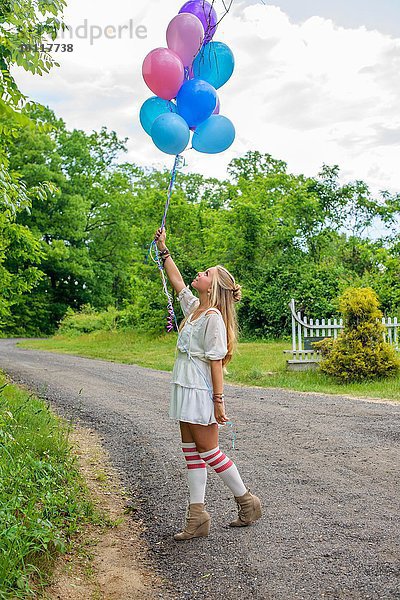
(326,469)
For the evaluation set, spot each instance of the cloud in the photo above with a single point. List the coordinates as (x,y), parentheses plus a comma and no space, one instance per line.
(308,93)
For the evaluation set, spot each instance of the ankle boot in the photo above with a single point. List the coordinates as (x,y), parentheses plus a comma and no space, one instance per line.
(249,510)
(197,523)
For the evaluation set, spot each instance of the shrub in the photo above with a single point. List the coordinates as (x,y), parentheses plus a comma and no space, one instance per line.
(360,352)
(88,320)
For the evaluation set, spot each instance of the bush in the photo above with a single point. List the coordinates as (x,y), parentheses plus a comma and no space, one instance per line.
(141,316)
(360,352)
(88,320)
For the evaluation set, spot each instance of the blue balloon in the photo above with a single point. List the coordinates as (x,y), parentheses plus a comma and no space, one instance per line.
(214,135)
(170,133)
(214,63)
(196,101)
(153,108)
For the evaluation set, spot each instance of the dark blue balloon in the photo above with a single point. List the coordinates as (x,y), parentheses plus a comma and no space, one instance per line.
(153,108)
(196,101)
(214,63)
(170,133)
(214,135)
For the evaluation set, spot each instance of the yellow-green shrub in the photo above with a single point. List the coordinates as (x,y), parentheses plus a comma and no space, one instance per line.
(360,352)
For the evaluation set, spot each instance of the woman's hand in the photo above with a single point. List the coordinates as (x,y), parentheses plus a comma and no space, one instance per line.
(160,237)
(219,413)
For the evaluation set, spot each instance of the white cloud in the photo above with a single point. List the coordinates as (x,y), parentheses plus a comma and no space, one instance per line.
(308,93)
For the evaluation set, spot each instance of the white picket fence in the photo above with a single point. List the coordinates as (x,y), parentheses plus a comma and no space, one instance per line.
(305,331)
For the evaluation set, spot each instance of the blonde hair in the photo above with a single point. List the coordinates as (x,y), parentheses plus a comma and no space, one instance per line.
(224,293)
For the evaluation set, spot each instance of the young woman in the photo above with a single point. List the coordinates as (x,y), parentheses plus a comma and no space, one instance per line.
(206,341)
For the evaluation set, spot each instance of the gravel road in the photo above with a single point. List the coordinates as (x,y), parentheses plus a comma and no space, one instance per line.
(325,467)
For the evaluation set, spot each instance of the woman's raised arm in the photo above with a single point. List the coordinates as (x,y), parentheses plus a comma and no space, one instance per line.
(170,267)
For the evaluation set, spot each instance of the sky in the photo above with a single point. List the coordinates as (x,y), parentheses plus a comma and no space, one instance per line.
(315,82)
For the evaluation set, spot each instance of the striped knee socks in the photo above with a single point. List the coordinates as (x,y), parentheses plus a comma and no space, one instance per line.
(197,472)
(226,469)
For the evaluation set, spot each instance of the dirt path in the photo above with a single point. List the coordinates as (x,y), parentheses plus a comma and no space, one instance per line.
(326,469)
(109,561)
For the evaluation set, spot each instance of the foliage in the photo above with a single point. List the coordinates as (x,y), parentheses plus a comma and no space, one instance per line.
(23,28)
(360,352)
(81,226)
(43,498)
(88,320)
(280,234)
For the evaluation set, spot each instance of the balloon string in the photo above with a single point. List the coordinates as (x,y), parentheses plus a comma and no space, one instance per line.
(177,162)
(171,318)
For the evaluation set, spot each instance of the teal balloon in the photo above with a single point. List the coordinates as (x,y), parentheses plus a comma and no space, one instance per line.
(153,108)
(214,63)
(214,135)
(170,133)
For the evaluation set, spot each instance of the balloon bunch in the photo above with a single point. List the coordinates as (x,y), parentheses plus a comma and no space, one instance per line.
(185,78)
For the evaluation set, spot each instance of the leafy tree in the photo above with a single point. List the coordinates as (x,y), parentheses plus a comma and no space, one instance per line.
(21,23)
(81,225)
(25,27)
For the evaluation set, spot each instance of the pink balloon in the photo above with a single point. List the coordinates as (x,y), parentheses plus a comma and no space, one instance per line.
(163,72)
(185,35)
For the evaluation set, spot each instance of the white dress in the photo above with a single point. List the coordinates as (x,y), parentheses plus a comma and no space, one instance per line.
(199,341)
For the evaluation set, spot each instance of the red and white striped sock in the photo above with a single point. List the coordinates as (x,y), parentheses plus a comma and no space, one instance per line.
(226,469)
(197,472)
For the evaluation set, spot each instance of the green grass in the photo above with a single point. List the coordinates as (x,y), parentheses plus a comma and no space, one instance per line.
(256,363)
(43,498)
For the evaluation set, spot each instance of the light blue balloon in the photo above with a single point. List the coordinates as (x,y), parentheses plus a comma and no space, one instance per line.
(214,63)
(153,108)
(170,133)
(214,135)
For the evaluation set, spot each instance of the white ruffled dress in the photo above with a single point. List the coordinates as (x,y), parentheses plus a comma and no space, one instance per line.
(199,342)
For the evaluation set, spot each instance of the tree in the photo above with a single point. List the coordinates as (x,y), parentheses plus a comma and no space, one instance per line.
(80,225)
(23,24)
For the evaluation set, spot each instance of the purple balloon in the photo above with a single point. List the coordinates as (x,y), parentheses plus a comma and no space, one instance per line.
(206,13)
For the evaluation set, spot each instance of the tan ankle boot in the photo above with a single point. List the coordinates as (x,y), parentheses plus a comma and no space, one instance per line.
(197,523)
(249,510)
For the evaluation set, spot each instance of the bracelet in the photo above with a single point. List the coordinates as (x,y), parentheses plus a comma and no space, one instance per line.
(162,252)
(164,258)
(219,398)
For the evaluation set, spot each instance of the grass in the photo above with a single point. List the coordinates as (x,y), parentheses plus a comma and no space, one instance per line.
(260,363)
(43,498)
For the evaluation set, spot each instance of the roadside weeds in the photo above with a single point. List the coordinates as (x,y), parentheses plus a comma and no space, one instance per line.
(108,561)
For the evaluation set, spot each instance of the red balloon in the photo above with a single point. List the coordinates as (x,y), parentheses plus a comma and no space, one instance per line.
(163,73)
